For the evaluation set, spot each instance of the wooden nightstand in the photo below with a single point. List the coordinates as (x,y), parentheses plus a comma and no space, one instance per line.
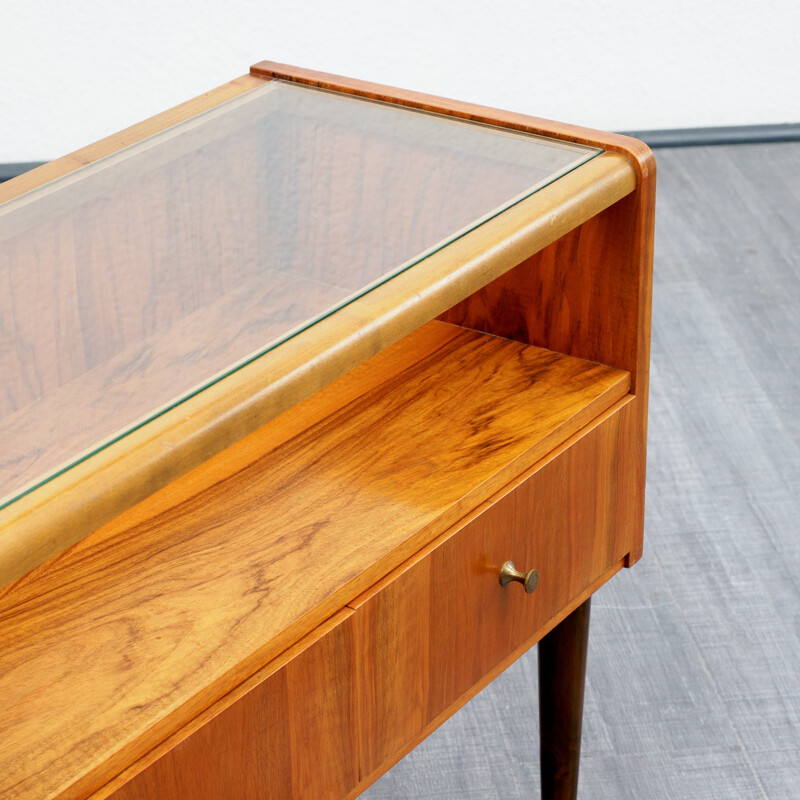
(293,376)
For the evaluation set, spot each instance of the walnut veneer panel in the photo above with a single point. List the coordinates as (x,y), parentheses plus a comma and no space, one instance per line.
(291,732)
(109,648)
(419,643)
(437,626)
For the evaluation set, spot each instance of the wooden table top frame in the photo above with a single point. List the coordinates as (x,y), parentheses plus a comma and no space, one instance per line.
(567,270)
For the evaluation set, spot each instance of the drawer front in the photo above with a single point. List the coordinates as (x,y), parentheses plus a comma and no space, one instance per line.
(439,625)
(289,734)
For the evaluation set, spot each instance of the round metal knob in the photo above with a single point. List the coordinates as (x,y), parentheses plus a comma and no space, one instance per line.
(509,573)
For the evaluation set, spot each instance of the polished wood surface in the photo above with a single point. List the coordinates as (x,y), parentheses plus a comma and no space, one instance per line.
(441,622)
(319,535)
(103,652)
(86,496)
(289,732)
(421,639)
(562,676)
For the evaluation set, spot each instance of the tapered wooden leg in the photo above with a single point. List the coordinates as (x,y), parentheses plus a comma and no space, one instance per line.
(562,672)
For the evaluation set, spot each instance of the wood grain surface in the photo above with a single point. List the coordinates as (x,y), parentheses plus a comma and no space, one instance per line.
(290,732)
(439,624)
(103,650)
(421,640)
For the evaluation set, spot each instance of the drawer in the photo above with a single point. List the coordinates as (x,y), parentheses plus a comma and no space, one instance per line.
(442,623)
(288,732)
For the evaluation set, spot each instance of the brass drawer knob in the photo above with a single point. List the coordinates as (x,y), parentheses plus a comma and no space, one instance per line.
(509,573)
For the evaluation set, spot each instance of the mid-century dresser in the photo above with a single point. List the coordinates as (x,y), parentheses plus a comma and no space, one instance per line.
(321,403)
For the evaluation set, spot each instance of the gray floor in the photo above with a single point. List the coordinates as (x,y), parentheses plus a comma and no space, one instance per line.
(694,666)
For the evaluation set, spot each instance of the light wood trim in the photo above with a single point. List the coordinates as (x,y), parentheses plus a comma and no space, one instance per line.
(80,500)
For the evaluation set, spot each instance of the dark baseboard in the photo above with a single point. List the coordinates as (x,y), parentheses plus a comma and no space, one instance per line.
(673,137)
(703,137)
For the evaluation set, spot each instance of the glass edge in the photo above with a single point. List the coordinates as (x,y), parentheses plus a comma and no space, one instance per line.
(146,141)
(249,359)
(454,118)
(272,84)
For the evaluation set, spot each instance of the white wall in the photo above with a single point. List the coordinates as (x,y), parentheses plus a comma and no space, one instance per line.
(72,71)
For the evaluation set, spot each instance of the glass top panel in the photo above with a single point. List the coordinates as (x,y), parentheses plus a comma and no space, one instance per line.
(139,280)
